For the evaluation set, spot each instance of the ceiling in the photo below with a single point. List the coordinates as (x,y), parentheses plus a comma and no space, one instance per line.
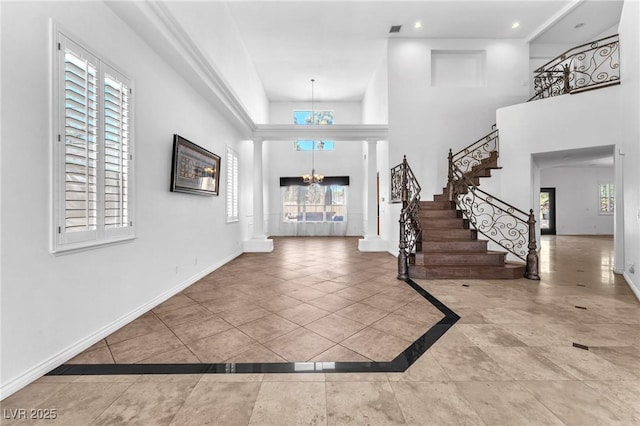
(341,43)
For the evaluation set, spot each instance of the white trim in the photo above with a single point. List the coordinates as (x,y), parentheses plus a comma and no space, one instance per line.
(71,351)
(633,288)
(339,132)
(553,20)
(169,38)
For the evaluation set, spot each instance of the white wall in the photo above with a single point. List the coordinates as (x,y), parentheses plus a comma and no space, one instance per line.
(53,307)
(425,121)
(226,51)
(375,103)
(577,199)
(630,143)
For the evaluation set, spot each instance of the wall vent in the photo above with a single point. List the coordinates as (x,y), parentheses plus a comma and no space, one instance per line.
(395,28)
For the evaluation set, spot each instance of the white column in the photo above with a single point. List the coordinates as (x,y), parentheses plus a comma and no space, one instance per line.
(371,241)
(258,241)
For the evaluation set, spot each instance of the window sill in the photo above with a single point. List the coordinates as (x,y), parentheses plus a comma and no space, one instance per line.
(90,245)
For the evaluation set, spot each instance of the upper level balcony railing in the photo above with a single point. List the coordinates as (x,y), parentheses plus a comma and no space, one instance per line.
(585,67)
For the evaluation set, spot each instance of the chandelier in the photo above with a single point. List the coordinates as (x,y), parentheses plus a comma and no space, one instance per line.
(313,178)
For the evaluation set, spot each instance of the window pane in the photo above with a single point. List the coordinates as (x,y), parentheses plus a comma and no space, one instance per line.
(314,203)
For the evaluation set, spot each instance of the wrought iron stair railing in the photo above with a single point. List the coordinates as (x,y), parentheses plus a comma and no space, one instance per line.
(406,189)
(502,223)
(586,67)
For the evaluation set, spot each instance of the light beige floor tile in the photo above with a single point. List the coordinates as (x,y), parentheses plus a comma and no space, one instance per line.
(335,327)
(244,314)
(402,327)
(527,363)
(279,303)
(255,352)
(268,328)
(303,314)
(468,364)
(489,335)
(221,346)
(376,345)
(356,377)
(195,330)
(175,302)
(357,403)
(101,355)
(586,365)
(619,392)
(218,403)
(299,345)
(506,403)
(147,403)
(331,302)
(362,313)
(143,347)
(82,403)
(232,377)
(339,353)
(575,403)
(298,377)
(293,403)
(627,357)
(181,355)
(179,316)
(424,403)
(139,327)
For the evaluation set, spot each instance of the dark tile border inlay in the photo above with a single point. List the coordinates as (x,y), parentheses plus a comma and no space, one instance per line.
(398,365)
(579,346)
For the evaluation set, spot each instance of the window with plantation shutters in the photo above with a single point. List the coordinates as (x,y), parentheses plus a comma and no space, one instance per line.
(93,156)
(232,186)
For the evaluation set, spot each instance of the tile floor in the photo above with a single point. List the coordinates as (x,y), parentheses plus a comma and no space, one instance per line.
(509,360)
(313,299)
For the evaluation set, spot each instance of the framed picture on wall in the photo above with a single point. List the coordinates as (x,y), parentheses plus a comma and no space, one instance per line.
(194,169)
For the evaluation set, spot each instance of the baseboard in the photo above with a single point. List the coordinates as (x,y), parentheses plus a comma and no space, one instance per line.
(632,286)
(65,355)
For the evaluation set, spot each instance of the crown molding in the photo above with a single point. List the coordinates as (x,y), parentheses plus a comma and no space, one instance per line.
(339,132)
(159,28)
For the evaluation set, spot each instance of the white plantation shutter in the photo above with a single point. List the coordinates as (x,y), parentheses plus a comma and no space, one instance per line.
(232,186)
(116,150)
(93,154)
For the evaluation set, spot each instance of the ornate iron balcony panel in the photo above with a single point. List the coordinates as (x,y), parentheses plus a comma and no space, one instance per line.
(586,67)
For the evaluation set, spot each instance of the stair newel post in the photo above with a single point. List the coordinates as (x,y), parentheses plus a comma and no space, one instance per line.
(450,177)
(403,258)
(532,257)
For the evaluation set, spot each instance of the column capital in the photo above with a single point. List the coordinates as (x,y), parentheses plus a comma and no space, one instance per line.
(258,140)
(371,141)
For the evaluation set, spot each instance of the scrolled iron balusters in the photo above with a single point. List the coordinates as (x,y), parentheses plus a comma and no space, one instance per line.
(410,229)
(474,154)
(589,66)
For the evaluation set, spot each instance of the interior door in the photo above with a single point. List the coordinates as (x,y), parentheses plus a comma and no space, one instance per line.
(548,211)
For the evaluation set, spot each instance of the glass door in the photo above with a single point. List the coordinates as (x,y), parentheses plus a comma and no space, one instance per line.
(548,211)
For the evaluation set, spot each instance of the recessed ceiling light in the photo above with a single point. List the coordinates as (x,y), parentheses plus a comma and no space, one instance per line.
(515,25)
(576,26)
(395,28)
(417,25)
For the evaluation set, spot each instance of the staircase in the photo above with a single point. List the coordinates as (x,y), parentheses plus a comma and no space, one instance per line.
(445,245)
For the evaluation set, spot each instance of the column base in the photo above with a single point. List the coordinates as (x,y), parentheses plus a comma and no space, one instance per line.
(373,243)
(258,245)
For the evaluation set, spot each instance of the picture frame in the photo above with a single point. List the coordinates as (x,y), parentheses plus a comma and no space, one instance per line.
(195,170)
